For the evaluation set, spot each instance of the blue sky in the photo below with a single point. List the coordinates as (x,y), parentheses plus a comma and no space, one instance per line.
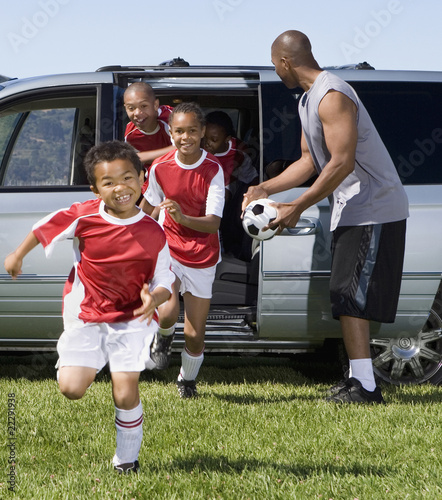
(63,36)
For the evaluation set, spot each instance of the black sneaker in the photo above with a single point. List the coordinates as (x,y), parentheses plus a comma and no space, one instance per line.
(353,392)
(342,383)
(187,389)
(127,468)
(161,349)
(339,386)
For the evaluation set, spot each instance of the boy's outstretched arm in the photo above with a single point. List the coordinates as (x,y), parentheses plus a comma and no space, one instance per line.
(151,301)
(14,261)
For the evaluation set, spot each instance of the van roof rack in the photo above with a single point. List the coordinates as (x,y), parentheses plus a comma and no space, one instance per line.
(176,62)
(362,65)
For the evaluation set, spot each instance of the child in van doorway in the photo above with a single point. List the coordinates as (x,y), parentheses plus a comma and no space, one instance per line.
(239,174)
(188,185)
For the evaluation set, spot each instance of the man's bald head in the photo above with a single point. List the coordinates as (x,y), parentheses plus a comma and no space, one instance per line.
(294,46)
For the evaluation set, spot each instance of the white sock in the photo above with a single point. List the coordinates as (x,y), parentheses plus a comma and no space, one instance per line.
(165,332)
(129,424)
(362,369)
(190,365)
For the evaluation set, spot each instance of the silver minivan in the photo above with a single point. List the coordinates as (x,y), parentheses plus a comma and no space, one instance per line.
(271,297)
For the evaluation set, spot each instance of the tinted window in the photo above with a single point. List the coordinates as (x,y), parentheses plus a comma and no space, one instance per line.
(281,131)
(43,142)
(7,126)
(408,117)
(41,153)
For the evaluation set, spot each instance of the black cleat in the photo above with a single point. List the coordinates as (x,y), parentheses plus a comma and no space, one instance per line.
(127,468)
(161,350)
(353,392)
(187,389)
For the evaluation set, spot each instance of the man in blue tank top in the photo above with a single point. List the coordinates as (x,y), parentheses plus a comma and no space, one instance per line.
(368,205)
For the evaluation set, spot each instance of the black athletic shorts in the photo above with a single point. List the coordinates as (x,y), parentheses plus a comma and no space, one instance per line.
(366,270)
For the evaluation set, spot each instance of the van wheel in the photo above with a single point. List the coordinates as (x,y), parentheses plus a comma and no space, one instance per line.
(411,360)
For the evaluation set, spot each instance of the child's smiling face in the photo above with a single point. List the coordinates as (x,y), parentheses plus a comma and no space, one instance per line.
(117,184)
(186,131)
(142,110)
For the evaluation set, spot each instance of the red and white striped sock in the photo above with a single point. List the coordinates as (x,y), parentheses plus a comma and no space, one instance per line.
(129,424)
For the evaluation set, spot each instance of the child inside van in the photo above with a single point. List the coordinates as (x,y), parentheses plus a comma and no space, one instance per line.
(239,174)
(220,140)
(148,129)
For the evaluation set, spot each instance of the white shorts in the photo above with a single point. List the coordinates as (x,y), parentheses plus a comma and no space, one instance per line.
(125,346)
(196,281)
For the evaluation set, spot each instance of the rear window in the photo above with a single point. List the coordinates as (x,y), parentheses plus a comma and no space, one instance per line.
(408,117)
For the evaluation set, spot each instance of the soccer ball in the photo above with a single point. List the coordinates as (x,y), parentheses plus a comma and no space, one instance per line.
(258,214)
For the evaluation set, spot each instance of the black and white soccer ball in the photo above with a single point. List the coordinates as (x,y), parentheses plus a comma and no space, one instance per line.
(258,214)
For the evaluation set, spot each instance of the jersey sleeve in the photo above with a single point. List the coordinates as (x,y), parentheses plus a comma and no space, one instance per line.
(55,227)
(163,276)
(215,196)
(164,112)
(153,194)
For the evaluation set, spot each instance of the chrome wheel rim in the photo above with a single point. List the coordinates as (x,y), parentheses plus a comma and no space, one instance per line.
(410,360)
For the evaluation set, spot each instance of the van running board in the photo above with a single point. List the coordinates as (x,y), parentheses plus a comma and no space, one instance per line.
(235,322)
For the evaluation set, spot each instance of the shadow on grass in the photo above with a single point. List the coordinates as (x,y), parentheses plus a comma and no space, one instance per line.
(224,465)
(292,370)
(397,395)
(32,366)
(251,399)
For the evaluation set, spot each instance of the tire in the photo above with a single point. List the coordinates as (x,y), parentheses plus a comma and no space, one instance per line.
(412,360)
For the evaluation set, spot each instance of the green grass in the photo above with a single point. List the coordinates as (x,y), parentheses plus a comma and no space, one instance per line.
(260,430)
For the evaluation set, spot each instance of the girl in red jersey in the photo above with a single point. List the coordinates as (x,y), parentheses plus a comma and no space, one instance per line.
(120,276)
(188,184)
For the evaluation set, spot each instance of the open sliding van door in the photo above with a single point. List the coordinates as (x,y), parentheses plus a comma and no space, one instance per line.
(293,296)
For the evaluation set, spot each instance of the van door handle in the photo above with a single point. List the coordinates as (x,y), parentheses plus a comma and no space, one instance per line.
(304,227)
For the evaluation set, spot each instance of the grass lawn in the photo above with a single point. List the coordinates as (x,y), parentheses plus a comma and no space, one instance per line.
(259,430)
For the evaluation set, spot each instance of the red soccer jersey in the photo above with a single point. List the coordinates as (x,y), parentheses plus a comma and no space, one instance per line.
(158,139)
(113,259)
(236,164)
(199,190)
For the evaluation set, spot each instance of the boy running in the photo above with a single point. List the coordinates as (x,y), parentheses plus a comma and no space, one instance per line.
(188,185)
(120,276)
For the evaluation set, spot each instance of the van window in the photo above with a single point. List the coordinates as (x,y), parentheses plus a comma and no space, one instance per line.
(408,117)
(43,142)
(281,129)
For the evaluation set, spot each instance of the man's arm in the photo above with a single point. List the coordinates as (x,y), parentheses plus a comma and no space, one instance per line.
(294,175)
(338,115)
